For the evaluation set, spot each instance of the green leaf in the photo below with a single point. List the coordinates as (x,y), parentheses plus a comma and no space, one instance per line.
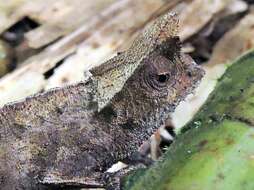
(215,151)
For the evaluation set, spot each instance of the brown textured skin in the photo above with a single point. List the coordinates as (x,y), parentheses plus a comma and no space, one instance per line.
(72,135)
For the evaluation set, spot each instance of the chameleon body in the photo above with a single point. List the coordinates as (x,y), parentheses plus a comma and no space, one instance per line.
(72,135)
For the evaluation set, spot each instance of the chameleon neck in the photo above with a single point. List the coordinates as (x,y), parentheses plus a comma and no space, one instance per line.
(139,124)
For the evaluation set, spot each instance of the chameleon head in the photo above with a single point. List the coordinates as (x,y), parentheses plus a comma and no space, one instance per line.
(162,80)
(145,83)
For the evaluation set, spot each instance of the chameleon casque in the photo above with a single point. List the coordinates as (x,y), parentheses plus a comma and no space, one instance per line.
(72,135)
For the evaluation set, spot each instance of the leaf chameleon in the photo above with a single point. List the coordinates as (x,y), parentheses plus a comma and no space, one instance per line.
(70,136)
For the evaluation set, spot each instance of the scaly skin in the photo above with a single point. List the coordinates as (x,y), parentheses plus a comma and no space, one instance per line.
(72,135)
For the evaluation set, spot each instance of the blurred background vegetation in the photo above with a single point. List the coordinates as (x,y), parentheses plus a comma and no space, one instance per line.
(51,43)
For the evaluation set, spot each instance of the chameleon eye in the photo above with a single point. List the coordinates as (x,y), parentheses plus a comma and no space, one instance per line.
(162,78)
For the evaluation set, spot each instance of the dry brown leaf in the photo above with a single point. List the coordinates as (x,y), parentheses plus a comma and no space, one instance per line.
(197,14)
(57,18)
(233,44)
(105,37)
